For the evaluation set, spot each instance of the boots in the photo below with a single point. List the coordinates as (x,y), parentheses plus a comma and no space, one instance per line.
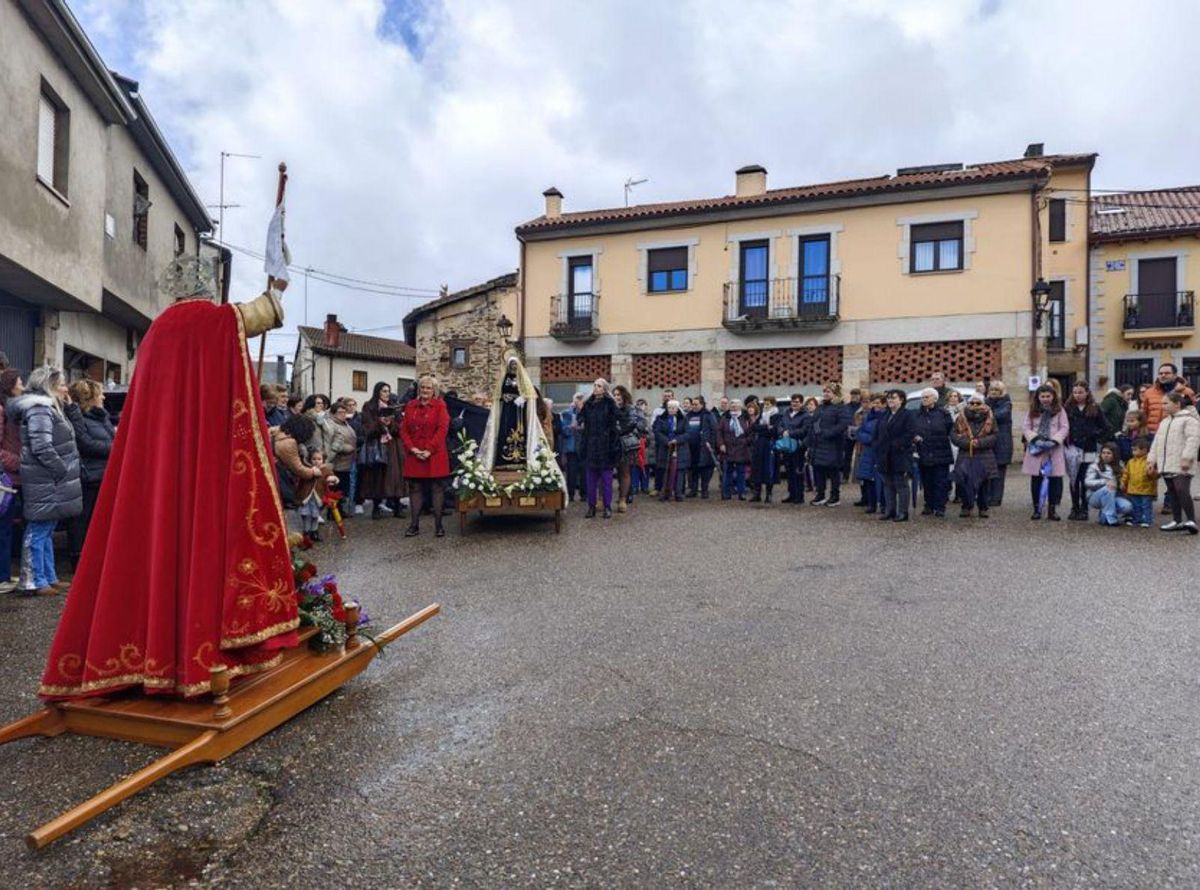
(439,531)
(1052,513)
(414,527)
(591,512)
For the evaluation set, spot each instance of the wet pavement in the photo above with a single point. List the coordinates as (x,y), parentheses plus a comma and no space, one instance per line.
(701,694)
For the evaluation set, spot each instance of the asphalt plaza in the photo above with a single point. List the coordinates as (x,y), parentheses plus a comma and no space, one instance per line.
(696,694)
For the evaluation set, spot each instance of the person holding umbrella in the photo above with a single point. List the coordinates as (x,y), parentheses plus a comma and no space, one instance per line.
(1045,430)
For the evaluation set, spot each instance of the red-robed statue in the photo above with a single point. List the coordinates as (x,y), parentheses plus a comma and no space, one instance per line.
(186,564)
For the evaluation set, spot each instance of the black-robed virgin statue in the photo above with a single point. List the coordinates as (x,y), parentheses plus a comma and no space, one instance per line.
(510,451)
(514,436)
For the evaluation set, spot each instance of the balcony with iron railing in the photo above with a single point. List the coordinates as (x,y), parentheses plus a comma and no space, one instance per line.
(1149,314)
(765,305)
(575,317)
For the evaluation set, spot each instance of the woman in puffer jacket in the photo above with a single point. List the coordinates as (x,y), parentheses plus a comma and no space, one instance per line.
(50,476)
(1173,457)
(94,434)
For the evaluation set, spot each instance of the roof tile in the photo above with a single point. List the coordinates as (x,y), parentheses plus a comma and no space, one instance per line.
(383,349)
(986,172)
(1137,214)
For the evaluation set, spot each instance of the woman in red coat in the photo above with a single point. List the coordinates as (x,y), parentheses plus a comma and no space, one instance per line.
(426,461)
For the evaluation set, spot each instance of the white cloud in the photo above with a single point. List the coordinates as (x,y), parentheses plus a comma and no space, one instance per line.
(415,171)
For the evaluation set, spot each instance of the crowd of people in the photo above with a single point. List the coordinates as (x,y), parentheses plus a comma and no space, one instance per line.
(1114,455)
(1111,454)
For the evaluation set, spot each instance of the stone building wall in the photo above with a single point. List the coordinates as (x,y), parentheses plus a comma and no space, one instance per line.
(469,323)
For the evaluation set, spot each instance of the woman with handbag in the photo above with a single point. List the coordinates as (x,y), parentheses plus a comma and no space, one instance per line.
(599,445)
(381,477)
(629,431)
(1044,432)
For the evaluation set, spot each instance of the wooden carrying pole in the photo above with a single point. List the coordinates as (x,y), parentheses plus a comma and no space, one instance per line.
(279,190)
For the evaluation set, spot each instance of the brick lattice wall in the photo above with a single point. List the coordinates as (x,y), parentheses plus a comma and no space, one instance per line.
(783,367)
(961,360)
(662,370)
(571,368)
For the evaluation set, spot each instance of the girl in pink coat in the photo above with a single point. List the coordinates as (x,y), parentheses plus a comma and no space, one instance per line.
(1044,432)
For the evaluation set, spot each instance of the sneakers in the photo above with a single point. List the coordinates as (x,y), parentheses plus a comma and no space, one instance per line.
(819,502)
(621,508)
(1189,527)
(1170,527)
(1143,525)
(833,503)
(358,509)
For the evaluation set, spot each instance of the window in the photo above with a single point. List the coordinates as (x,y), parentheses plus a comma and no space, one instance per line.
(579,282)
(936,247)
(358,381)
(460,356)
(752,286)
(814,272)
(1134,371)
(1191,370)
(53,136)
(1058,219)
(141,211)
(668,269)
(180,241)
(1056,316)
(110,226)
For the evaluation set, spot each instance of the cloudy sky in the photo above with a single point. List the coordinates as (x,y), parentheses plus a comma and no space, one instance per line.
(418,133)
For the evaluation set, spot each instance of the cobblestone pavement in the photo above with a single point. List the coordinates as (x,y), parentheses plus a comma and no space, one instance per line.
(702,694)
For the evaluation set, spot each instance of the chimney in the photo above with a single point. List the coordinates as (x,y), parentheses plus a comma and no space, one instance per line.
(553,202)
(751,180)
(1035,149)
(333,331)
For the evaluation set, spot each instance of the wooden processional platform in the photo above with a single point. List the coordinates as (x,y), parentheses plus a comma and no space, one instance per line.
(205,730)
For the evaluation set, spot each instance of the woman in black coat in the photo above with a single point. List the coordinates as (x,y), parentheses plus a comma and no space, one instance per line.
(893,456)
(1000,403)
(672,451)
(702,443)
(599,445)
(1089,430)
(629,431)
(932,437)
(827,443)
(94,434)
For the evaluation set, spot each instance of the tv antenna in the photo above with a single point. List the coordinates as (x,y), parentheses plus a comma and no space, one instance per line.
(629,184)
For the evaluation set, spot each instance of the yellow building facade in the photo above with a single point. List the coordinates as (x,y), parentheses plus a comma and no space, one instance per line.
(1145,273)
(870,283)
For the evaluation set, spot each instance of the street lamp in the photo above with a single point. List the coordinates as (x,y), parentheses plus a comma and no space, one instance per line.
(1041,302)
(504,327)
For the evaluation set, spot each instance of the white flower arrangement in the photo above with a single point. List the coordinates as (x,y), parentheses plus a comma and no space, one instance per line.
(471,479)
(541,476)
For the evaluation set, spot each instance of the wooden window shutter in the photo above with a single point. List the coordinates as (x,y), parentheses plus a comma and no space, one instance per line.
(1058,219)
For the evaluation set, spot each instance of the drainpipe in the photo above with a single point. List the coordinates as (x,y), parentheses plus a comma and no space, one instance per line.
(521,312)
(1035,259)
(1087,277)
